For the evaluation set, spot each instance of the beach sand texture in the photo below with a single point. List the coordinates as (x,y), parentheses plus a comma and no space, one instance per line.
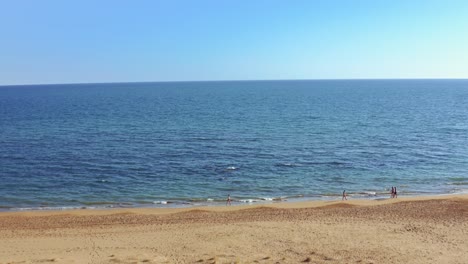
(407,230)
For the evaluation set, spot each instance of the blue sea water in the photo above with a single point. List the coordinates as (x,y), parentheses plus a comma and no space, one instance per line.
(192,143)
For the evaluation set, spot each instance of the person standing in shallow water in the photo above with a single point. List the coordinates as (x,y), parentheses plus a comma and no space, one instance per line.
(344,196)
(392,194)
(228,201)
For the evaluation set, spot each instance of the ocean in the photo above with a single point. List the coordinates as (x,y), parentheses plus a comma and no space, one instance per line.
(193,143)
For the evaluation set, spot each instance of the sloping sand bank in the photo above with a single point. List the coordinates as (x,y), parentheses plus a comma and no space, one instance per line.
(410,230)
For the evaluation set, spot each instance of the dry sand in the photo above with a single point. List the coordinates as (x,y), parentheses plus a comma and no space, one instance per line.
(408,230)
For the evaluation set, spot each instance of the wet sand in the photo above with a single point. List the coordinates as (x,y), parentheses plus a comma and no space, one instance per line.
(404,230)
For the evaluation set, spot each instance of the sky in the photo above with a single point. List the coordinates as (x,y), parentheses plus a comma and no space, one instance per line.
(88,41)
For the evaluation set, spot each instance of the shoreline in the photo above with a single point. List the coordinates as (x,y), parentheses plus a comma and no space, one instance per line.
(286,204)
(262,201)
(237,201)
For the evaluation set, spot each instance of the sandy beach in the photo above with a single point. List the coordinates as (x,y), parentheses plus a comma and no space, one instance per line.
(404,230)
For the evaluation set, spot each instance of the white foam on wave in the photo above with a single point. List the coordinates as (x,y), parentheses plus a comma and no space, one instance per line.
(267,198)
(61,208)
(248,201)
(231,168)
(459,191)
(160,202)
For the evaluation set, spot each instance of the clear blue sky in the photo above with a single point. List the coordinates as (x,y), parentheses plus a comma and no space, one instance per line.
(111,41)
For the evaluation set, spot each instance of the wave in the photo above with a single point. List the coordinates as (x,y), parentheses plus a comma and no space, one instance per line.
(460,191)
(161,202)
(249,200)
(100,203)
(356,194)
(458,178)
(457,183)
(367,193)
(263,199)
(329,163)
(102,181)
(51,208)
(286,164)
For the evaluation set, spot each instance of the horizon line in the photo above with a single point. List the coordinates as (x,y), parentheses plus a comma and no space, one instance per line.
(246,80)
